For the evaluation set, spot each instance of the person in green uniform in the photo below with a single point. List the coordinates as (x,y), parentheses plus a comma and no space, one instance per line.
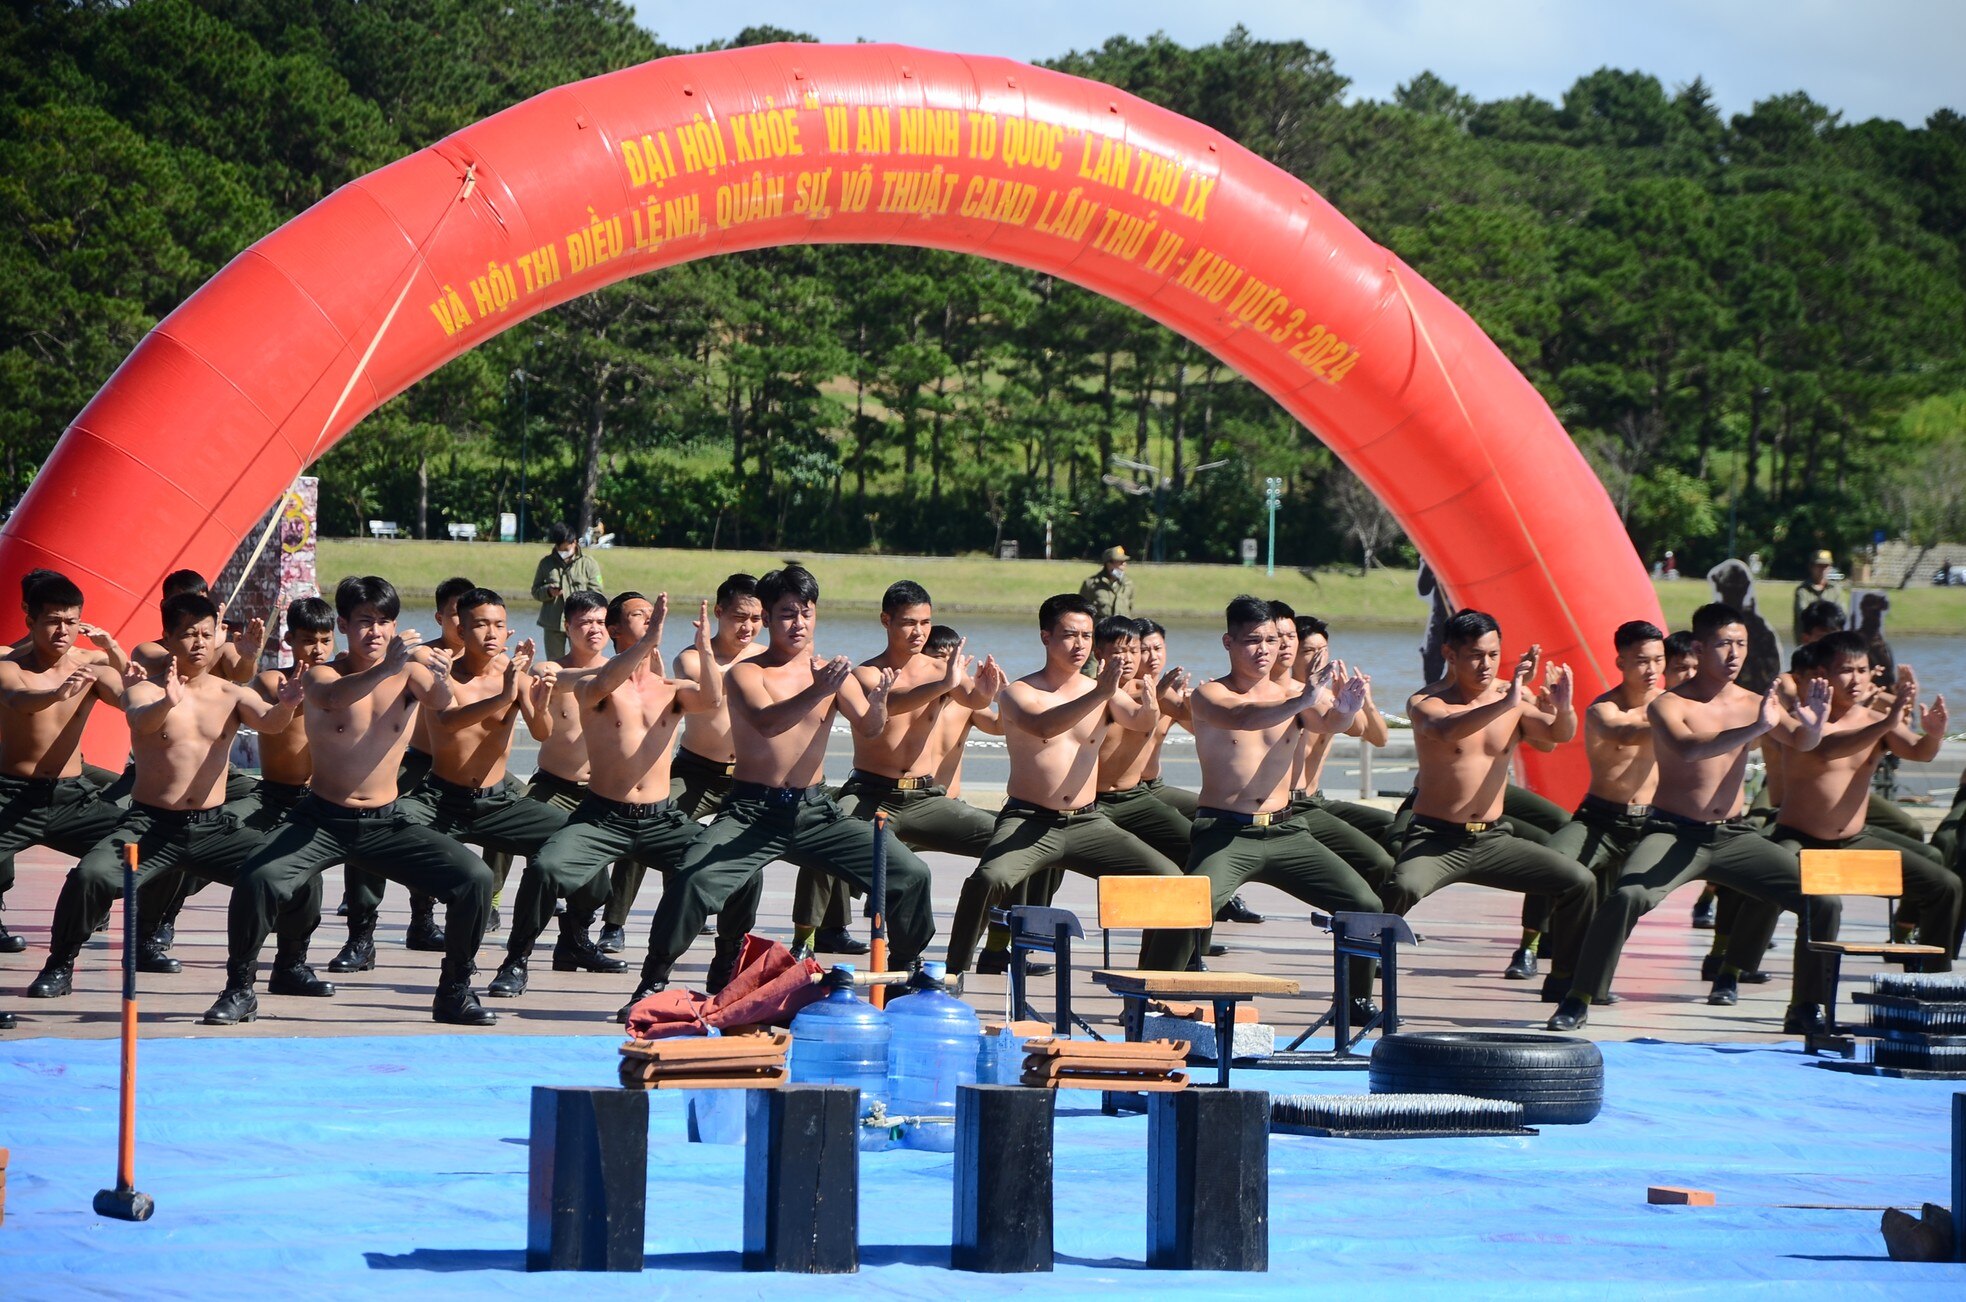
(1110,590)
(1701,731)
(358,710)
(782,704)
(1054,723)
(1466,729)
(1244,724)
(895,769)
(1817,587)
(565,570)
(181,730)
(629,714)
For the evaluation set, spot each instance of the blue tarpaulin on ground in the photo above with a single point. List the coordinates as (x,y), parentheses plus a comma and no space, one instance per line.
(396,1166)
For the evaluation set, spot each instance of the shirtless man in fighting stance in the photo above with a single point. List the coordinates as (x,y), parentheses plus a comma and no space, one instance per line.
(1465,732)
(782,703)
(1055,721)
(1245,724)
(1701,732)
(181,731)
(360,708)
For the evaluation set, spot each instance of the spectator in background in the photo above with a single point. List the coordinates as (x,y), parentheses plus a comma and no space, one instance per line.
(563,571)
(1817,587)
(1110,591)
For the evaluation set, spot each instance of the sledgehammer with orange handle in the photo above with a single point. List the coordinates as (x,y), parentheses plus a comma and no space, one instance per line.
(123,1202)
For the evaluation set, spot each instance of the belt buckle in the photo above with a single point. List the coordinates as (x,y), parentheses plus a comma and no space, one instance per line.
(1261,820)
(1475,829)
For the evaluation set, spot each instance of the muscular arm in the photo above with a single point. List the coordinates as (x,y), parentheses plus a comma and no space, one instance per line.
(619,670)
(146,706)
(1445,722)
(260,714)
(328,690)
(16,694)
(745,684)
(1671,730)
(456,716)
(1141,715)
(703,691)
(1214,705)
(1019,710)
(866,706)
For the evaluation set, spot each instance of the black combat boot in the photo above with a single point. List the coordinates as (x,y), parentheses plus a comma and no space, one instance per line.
(238,1003)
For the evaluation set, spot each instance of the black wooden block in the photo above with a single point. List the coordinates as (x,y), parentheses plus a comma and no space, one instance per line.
(1003,1179)
(1208,1180)
(588,1195)
(802,1180)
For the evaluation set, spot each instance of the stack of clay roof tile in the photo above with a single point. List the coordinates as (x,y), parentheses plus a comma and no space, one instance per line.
(706,1062)
(1106,1064)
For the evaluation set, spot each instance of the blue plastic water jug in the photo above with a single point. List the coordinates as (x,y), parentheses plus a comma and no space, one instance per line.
(934,1050)
(841,1039)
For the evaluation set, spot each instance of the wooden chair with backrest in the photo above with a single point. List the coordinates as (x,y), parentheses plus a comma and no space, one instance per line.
(1877,873)
(1176,903)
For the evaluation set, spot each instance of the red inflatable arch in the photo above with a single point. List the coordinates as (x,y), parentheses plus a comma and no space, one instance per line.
(306,332)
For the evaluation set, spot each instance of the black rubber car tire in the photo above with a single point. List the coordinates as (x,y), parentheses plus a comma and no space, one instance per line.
(1558,1080)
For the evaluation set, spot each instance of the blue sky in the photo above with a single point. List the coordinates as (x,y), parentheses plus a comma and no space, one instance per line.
(1865,58)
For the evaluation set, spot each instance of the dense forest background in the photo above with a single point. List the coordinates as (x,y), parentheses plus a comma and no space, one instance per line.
(1751,325)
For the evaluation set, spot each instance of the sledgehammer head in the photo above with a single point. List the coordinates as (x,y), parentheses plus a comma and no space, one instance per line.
(124,1204)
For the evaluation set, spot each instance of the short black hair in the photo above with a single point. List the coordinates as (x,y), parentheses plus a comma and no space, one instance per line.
(900,596)
(1807,658)
(1468,626)
(1280,611)
(1821,617)
(474,598)
(1109,629)
(310,615)
(186,608)
(184,581)
(793,581)
(1243,611)
(32,577)
(1308,625)
(620,602)
(1065,603)
(737,585)
(367,590)
(941,638)
(1152,628)
(1635,633)
(451,589)
(583,601)
(559,533)
(1712,617)
(1680,645)
(1843,642)
(48,590)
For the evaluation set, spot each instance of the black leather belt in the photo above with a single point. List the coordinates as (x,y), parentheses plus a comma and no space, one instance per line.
(329,809)
(622,809)
(186,816)
(776,795)
(1029,807)
(1241,819)
(1443,825)
(1696,824)
(453,790)
(1599,804)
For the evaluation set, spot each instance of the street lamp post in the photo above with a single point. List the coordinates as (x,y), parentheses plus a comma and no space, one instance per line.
(525,434)
(1272,498)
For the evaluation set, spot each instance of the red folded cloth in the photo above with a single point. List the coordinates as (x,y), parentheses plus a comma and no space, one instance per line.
(769,987)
